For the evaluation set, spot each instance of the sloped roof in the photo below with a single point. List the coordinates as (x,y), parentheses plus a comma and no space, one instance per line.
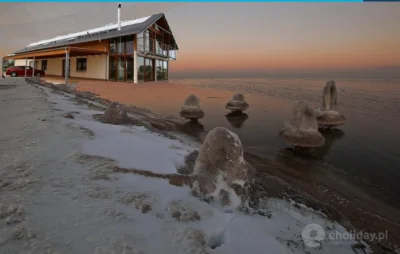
(105,32)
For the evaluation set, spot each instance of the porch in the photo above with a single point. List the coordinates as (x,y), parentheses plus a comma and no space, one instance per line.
(90,63)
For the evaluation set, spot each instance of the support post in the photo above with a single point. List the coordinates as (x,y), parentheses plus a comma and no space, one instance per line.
(155,69)
(33,67)
(26,65)
(66,66)
(135,67)
(1,67)
(107,65)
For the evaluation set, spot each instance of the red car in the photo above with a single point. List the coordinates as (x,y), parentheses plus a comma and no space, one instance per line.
(19,71)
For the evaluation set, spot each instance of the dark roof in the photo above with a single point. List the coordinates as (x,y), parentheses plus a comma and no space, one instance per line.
(107,34)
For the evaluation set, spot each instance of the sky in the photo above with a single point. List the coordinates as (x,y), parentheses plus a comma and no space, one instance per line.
(238,39)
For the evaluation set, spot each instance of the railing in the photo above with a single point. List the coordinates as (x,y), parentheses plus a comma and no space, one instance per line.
(154,47)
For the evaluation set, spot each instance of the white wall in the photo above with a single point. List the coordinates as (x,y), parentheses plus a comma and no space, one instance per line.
(54,66)
(95,67)
(21,62)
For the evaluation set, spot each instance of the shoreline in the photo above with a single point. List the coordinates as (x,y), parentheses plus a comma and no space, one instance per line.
(276,183)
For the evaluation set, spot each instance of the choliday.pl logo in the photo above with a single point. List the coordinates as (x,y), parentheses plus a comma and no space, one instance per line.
(313,234)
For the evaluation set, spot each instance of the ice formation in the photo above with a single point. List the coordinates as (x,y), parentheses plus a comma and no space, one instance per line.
(220,164)
(191,108)
(327,116)
(237,103)
(115,114)
(301,129)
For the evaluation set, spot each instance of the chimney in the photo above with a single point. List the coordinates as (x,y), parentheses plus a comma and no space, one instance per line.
(119,16)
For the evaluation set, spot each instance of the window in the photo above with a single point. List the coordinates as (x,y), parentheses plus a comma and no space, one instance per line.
(81,64)
(113,46)
(165,69)
(129,44)
(44,65)
(121,45)
(140,62)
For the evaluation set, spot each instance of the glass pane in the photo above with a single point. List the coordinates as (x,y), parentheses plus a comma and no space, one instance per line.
(121,68)
(129,68)
(159,70)
(140,42)
(165,69)
(129,44)
(113,46)
(113,68)
(146,41)
(149,70)
(140,62)
(121,45)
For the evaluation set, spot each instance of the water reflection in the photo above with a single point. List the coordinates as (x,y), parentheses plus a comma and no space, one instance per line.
(330,137)
(237,119)
(192,128)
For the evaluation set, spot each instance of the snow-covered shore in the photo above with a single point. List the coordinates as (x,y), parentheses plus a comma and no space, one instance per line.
(60,185)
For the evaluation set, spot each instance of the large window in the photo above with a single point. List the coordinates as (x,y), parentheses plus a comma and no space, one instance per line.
(121,45)
(121,68)
(129,44)
(141,67)
(113,68)
(162,70)
(129,68)
(44,65)
(121,59)
(81,64)
(149,70)
(145,69)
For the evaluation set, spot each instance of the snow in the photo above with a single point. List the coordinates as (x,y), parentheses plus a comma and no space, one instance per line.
(218,229)
(91,31)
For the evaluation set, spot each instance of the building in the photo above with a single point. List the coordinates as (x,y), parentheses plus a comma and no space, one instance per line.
(130,51)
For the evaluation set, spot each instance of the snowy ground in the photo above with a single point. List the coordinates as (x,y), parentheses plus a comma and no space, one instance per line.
(59,193)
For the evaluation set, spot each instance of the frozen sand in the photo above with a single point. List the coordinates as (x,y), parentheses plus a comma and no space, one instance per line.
(71,211)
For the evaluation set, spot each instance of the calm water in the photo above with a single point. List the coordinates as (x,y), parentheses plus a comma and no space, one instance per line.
(366,149)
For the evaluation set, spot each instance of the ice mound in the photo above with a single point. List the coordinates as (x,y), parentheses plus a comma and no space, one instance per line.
(220,165)
(237,103)
(191,108)
(301,129)
(115,114)
(327,116)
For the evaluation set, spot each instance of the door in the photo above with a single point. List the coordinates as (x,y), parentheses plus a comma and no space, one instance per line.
(121,68)
(149,69)
(63,68)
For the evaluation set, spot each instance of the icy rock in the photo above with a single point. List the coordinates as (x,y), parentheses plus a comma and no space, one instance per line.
(115,114)
(182,211)
(191,108)
(141,201)
(237,103)
(220,164)
(190,160)
(327,116)
(301,129)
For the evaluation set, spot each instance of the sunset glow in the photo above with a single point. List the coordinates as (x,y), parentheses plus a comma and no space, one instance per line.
(236,38)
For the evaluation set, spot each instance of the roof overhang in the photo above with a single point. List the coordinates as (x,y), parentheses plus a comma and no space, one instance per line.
(56,53)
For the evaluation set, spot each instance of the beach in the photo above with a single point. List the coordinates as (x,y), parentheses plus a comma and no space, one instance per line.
(358,163)
(74,155)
